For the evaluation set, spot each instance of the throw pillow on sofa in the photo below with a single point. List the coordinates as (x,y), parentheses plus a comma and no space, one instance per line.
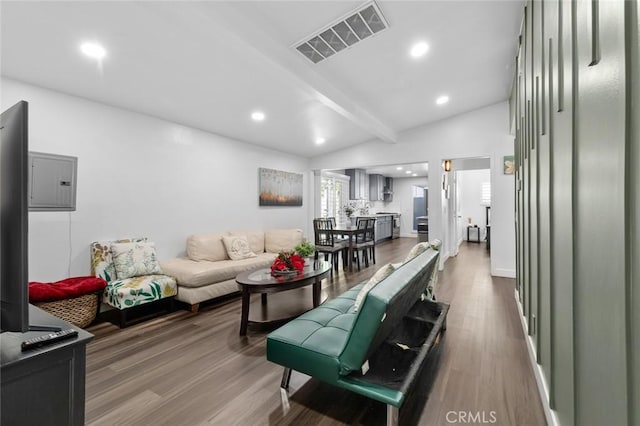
(237,247)
(380,275)
(255,238)
(135,259)
(416,250)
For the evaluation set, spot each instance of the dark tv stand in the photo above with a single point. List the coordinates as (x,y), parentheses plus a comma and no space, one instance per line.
(35,327)
(43,386)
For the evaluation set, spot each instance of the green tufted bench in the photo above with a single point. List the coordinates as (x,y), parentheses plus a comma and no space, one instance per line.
(377,350)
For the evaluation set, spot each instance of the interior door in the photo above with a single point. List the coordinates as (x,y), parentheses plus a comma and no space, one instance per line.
(456,218)
(452,217)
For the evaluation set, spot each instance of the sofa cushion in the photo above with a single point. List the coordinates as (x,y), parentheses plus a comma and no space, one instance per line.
(102,260)
(123,294)
(380,275)
(384,306)
(197,274)
(206,247)
(68,288)
(237,247)
(277,240)
(416,250)
(135,259)
(312,343)
(255,238)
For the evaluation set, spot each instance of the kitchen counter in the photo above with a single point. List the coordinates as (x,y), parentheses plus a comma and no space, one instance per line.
(377,215)
(384,225)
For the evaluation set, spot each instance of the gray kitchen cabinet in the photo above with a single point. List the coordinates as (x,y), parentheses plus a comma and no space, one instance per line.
(384,227)
(379,226)
(387,192)
(358,184)
(376,187)
(388,227)
(364,186)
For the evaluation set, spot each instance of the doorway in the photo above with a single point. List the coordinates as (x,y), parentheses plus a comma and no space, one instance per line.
(420,203)
(388,189)
(466,202)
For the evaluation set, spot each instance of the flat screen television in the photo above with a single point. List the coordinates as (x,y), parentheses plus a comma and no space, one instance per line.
(14,219)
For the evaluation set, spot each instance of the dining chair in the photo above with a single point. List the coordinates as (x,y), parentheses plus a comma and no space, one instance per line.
(337,237)
(325,241)
(364,239)
(371,239)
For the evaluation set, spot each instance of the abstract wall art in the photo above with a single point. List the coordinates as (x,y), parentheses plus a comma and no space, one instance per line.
(279,188)
(509,165)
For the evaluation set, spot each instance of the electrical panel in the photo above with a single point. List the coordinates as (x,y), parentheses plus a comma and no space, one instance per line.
(52,182)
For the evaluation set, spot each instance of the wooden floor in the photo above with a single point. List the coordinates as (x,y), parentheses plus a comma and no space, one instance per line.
(194,369)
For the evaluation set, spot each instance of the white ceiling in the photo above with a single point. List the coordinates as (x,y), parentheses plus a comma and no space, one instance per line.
(208,65)
(419,169)
(394,170)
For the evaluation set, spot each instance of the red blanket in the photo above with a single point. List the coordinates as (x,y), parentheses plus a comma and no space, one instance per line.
(65,289)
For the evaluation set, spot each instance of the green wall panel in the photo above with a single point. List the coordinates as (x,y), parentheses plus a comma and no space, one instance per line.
(544,192)
(578,210)
(561,158)
(633,289)
(599,252)
(532,177)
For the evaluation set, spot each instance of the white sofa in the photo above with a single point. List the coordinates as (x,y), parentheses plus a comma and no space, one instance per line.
(207,272)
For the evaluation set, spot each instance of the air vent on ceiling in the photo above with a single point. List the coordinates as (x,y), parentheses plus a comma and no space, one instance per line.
(343,33)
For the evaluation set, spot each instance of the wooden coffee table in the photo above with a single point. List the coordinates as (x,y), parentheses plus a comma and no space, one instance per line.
(261,281)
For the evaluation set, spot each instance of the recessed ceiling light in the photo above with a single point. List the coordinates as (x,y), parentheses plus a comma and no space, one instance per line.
(257,116)
(419,49)
(442,100)
(415,174)
(408,172)
(399,168)
(320,141)
(93,50)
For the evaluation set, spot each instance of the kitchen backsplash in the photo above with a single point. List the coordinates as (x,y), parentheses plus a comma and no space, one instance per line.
(363,207)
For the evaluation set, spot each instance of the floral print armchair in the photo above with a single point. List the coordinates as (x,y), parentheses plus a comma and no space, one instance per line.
(133,276)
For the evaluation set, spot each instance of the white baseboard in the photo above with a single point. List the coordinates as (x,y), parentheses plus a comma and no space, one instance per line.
(501,272)
(443,259)
(543,389)
(409,234)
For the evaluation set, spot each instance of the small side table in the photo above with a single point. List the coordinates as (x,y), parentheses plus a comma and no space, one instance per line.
(477,240)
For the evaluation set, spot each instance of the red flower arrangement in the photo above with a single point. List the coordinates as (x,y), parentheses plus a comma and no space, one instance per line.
(287,262)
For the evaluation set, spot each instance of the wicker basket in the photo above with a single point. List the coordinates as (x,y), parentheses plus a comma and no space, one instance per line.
(79,311)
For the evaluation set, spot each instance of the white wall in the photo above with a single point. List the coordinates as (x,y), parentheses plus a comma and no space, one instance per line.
(142,176)
(480,133)
(503,230)
(470,193)
(139,175)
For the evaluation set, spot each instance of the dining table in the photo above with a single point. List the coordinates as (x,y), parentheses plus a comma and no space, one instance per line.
(348,231)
